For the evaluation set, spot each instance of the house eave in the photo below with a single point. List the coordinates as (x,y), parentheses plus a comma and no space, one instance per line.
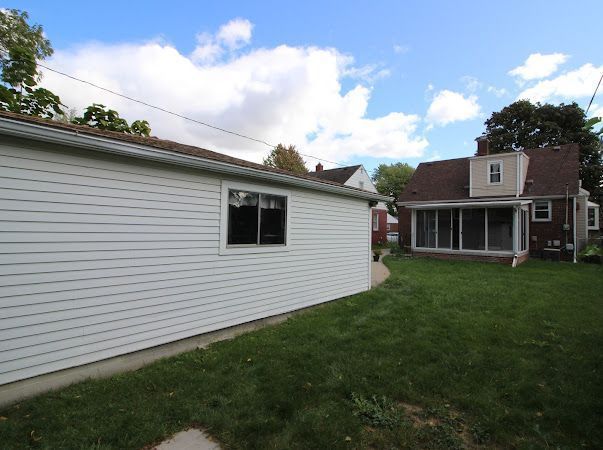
(36,132)
(409,204)
(516,202)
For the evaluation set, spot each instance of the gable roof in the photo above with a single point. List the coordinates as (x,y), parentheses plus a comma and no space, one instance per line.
(339,175)
(549,170)
(66,130)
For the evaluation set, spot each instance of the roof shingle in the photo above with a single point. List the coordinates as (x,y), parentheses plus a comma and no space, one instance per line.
(550,169)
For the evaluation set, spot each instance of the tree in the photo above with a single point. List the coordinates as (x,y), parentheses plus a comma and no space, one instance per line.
(286,158)
(526,125)
(390,180)
(96,116)
(21,45)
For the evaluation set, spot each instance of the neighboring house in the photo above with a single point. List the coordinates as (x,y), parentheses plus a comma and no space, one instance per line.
(356,176)
(392,224)
(113,243)
(593,221)
(500,207)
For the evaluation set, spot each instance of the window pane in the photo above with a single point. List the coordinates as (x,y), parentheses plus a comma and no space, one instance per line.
(474,231)
(425,229)
(420,239)
(500,229)
(431,228)
(444,228)
(523,231)
(272,219)
(242,217)
(375,221)
(591,217)
(455,229)
(495,178)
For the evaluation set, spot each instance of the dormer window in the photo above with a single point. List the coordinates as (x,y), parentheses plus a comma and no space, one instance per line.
(495,172)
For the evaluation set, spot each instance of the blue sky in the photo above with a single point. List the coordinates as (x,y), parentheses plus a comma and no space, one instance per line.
(366,83)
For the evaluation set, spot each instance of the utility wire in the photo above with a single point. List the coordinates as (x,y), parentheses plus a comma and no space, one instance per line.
(198,122)
(594,94)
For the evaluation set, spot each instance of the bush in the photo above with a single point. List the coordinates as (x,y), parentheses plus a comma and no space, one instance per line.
(591,254)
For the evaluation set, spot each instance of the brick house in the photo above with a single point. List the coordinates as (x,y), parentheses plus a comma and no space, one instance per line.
(498,207)
(357,176)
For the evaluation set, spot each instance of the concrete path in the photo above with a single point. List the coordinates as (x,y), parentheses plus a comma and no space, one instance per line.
(379,272)
(189,440)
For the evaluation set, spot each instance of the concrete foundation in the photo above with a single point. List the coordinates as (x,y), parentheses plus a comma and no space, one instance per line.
(19,390)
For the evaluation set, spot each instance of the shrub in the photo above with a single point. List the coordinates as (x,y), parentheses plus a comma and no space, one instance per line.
(591,254)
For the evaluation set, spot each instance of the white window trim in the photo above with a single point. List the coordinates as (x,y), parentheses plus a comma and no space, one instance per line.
(226,249)
(596,210)
(375,222)
(534,219)
(500,162)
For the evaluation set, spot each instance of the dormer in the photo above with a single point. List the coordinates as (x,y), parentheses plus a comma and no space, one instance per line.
(496,175)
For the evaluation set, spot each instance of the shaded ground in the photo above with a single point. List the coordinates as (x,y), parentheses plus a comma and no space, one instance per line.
(442,355)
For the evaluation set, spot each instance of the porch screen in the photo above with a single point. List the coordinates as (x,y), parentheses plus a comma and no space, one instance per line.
(426,229)
(474,229)
(500,229)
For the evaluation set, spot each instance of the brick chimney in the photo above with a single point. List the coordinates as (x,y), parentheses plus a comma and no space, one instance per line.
(319,167)
(483,146)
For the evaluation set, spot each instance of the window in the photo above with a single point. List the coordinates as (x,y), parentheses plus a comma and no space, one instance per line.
(593,218)
(495,172)
(426,229)
(500,229)
(255,218)
(474,229)
(375,221)
(541,211)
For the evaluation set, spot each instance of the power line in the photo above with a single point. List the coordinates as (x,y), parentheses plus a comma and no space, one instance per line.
(198,122)
(594,94)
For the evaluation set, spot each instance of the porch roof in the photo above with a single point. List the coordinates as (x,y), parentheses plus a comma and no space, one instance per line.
(499,203)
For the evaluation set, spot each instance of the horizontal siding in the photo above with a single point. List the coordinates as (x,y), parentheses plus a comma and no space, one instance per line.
(101,256)
(479,176)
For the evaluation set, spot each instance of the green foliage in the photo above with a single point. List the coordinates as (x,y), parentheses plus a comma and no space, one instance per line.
(591,253)
(390,180)
(526,125)
(98,116)
(20,45)
(286,158)
(375,411)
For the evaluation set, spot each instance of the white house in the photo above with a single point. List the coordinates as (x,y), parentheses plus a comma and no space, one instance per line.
(357,176)
(111,244)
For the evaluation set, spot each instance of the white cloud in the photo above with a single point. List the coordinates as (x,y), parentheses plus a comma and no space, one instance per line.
(235,33)
(472,84)
(401,49)
(448,106)
(578,83)
(498,92)
(231,36)
(284,94)
(539,66)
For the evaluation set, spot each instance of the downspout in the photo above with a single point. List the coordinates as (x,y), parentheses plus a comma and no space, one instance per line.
(566,223)
(575,232)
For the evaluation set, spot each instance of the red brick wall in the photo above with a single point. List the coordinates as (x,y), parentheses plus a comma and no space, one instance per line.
(549,231)
(380,236)
(404,226)
(496,259)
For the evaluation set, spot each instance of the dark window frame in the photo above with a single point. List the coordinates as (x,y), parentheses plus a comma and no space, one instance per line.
(260,238)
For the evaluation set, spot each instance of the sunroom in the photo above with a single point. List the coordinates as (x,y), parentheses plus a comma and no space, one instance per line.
(483,228)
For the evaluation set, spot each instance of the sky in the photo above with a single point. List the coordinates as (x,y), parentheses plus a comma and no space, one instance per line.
(348,82)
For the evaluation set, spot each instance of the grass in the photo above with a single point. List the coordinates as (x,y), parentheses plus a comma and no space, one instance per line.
(443,355)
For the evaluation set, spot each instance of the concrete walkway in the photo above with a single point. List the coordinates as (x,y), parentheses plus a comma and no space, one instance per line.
(379,272)
(189,440)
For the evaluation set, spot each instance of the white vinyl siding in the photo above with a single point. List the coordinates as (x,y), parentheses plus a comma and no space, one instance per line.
(103,255)
(361,180)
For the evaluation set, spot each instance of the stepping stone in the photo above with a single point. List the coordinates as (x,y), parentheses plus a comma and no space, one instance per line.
(189,440)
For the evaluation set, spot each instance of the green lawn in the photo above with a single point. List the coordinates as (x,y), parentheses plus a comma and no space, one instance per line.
(443,355)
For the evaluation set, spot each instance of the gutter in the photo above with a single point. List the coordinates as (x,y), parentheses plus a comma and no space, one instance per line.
(42,133)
